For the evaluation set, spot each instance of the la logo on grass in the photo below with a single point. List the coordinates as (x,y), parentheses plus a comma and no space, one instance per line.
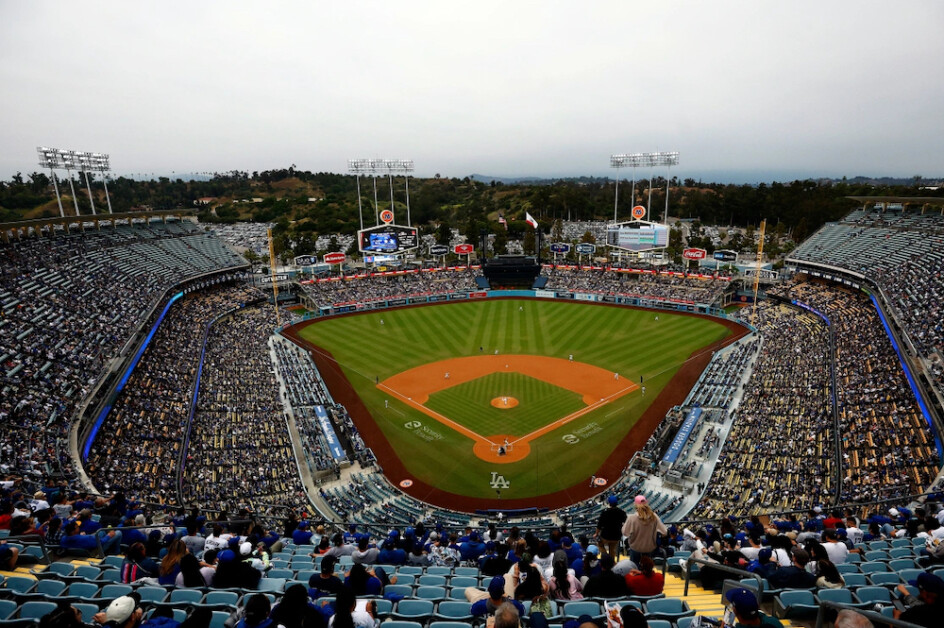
(499,481)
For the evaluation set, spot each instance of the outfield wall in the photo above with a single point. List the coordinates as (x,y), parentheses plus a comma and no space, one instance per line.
(672,305)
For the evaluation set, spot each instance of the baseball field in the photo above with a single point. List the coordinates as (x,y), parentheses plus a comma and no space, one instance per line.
(509,401)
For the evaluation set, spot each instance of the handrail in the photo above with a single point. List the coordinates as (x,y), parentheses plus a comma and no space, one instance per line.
(872,616)
(720,567)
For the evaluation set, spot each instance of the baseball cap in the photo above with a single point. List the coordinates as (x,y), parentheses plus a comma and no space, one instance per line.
(226,555)
(928,582)
(613,499)
(765,554)
(567,541)
(593,549)
(246,548)
(120,609)
(497,585)
(640,499)
(744,602)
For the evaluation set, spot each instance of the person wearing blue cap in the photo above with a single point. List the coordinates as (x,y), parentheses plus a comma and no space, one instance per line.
(746,610)
(927,608)
(610,527)
(485,605)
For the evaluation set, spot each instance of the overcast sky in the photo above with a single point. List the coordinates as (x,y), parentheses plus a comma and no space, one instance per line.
(743,90)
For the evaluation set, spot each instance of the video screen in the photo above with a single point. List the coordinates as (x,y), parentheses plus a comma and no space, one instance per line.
(641,238)
(382,242)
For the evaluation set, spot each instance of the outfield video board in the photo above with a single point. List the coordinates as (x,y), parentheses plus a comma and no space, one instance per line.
(389,239)
(637,236)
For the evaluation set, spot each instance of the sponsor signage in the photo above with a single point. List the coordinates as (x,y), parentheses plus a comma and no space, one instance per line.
(395,302)
(639,212)
(560,247)
(334,258)
(438,249)
(387,239)
(456,295)
(478,295)
(386,216)
(279,278)
(586,249)
(672,453)
(417,299)
(437,297)
(327,430)
(306,260)
(463,249)
(694,253)
(725,256)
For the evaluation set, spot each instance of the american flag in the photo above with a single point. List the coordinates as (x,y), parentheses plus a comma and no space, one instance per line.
(501,219)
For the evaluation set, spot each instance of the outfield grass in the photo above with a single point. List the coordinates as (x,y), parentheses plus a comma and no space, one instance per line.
(630,342)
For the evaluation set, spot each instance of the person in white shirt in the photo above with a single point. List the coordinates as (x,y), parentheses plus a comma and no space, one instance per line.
(837,551)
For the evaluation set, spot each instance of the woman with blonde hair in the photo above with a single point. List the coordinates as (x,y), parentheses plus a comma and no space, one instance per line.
(641,529)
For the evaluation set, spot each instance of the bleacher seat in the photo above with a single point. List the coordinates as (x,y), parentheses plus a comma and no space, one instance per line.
(795,605)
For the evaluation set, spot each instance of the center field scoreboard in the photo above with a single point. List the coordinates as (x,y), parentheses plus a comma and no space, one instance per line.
(637,236)
(389,239)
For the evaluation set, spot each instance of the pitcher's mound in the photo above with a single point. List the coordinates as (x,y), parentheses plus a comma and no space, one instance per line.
(504,403)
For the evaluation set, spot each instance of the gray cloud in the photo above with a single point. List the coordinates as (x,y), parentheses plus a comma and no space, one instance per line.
(504,88)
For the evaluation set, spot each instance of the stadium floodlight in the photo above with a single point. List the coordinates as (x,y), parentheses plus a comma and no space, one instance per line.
(635,160)
(374,167)
(69,160)
(49,158)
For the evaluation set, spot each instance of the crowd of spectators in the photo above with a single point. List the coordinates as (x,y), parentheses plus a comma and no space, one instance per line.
(240,450)
(303,390)
(903,252)
(650,285)
(328,293)
(787,395)
(888,449)
(138,446)
(69,303)
(915,292)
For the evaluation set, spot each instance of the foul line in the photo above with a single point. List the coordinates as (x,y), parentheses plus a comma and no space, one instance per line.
(439,417)
(550,427)
(527,438)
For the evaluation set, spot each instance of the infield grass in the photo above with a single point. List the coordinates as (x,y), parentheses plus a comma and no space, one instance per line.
(622,340)
(470,404)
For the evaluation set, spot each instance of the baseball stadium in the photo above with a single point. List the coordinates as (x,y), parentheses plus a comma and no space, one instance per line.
(162,397)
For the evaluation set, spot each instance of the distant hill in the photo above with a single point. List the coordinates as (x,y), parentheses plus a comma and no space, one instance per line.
(483,178)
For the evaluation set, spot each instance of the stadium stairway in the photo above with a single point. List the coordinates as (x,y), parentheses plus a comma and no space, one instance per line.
(708,603)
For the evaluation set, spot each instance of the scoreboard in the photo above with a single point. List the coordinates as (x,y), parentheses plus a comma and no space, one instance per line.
(389,239)
(637,236)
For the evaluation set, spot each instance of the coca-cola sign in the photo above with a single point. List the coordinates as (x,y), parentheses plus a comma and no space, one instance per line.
(694,253)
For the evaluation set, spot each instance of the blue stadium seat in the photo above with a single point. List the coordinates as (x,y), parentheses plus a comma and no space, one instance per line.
(451,610)
(873,595)
(669,608)
(414,610)
(795,605)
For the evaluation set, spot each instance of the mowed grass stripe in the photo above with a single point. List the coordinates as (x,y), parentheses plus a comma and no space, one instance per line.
(618,339)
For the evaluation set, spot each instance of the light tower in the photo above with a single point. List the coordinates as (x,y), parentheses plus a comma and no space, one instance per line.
(374,167)
(651,160)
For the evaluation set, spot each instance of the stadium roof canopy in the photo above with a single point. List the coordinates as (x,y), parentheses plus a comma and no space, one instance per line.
(923,200)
